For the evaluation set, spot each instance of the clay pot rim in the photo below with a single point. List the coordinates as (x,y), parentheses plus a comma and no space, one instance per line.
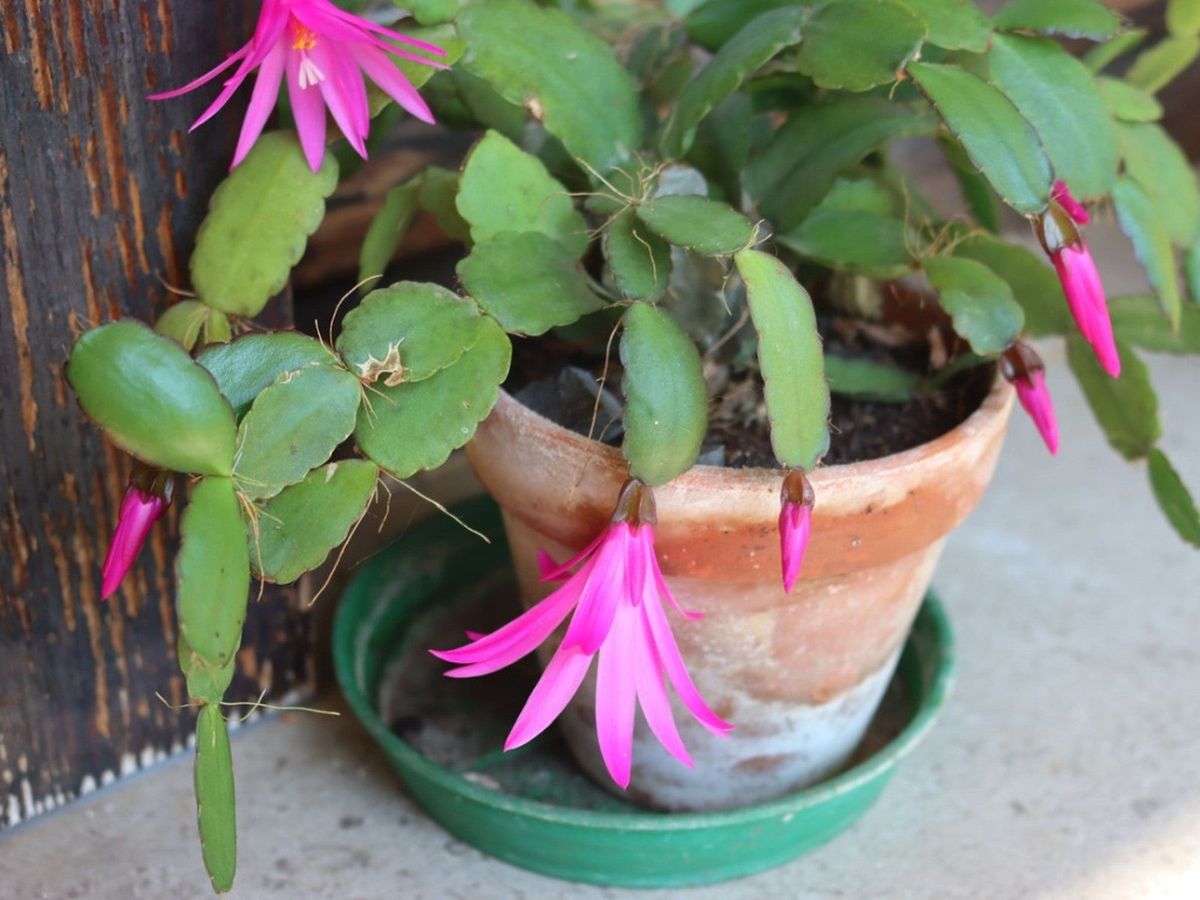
(704,478)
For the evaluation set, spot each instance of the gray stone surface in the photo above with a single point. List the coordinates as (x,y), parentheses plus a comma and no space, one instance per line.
(1065,764)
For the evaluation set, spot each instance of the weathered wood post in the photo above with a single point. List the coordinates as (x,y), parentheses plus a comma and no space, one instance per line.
(101,192)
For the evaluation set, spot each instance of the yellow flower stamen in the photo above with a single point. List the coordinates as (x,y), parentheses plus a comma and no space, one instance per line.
(302,38)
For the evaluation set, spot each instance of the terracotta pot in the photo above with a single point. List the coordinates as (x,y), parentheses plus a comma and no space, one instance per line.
(799,675)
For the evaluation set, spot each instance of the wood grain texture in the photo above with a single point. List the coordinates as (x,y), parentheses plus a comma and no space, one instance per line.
(101,192)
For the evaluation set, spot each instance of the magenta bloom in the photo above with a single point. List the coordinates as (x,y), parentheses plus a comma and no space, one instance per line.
(1023,367)
(616,595)
(324,52)
(145,500)
(795,524)
(1058,231)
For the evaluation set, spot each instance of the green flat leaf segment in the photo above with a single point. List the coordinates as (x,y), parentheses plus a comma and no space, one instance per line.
(258,223)
(1183,17)
(704,226)
(1158,165)
(856,45)
(1141,223)
(979,302)
(953,24)
(152,399)
(666,402)
(790,356)
(998,140)
(868,380)
(1126,408)
(1157,66)
(1173,497)
(1072,18)
(505,189)
(245,367)
(639,261)
(1139,320)
(1128,103)
(1034,284)
(215,805)
(387,230)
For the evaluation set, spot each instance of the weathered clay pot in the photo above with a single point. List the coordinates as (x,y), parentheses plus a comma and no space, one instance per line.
(799,675)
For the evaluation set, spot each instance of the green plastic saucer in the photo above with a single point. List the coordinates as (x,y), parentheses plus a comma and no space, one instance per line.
(532,807)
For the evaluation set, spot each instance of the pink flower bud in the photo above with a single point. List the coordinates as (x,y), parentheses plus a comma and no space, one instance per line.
(795,525)
(1074,208)
(1023,367)
(141,507)
(1089,307)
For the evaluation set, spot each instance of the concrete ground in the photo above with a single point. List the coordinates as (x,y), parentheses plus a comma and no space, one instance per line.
(1065,764)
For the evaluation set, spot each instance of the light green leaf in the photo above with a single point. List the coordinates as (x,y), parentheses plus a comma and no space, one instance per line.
(439,189)
(569,79)
(856,45)
(1139,320)
(215,805)
(503,188)
(1034,284)
(1157,66)
(1156,163)
(207,683)
(697,223)
(1101,55)
(258,223)
(750,49)
(411,427)
(1000,143)
(406,332)
(979,301)
(666,403)
(1191,271)
(1072,18)
(527,282)
(1057,95)
(870,381)
(789,354)
(432,12)
(953,24)
(293,426)
(818,144)
(217,328)
(1127,103)
(387,230)
(212,572)
(1151,244)
(1183,17)
(152,399)
(243,368)
(1125,407)
(638,260)
(1173,497)
(183,322)
(300,525)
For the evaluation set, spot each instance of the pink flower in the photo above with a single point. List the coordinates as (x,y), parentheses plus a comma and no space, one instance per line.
(1023,367)
(616,595)
(1057,229)
(321,49)
(795,524)
(145,500)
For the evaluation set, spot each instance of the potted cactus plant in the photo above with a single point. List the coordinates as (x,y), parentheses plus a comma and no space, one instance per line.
(693,211)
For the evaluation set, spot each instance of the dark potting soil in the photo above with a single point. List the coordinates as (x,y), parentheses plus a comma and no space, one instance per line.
(579,391)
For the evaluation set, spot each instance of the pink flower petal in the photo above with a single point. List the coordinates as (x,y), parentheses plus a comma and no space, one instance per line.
(673,665)
(604,589)
(341,96)
(392,82)
(1085,296)
(262,101)
(652,694)
(795,525)
(1074,208)
(308,109)
(616,695)
(557,685)
(661,583)
(139,511)
(332,10)
(552,571)
(205,78)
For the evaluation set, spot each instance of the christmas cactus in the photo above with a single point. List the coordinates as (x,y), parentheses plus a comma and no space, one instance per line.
(670,172)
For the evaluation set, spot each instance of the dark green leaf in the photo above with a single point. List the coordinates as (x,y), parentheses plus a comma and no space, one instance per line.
(183,322)
(411,427)
(215,805)
(1125,407)
(751,48)
(246,366)
(697,223)
(1173,497)
(212,572)
(713,23)
(1127,103)
(569,79)
(503,188)
(152,399)
(1156,67)
(1139,320)
(407,332)
(978,300)
(258,223)
(789,354)
(302,523)
(294,426)
(439,189)
(1156,163)
(1151,244)
(1034,284)
(976,191)
(818,144)
(527,282)
(666,403)
(953,24)
(638,260)
(854,240)
(1000,143)
(1073,18)
(856,45)
(387,230)
(1057,95)
(870,381)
